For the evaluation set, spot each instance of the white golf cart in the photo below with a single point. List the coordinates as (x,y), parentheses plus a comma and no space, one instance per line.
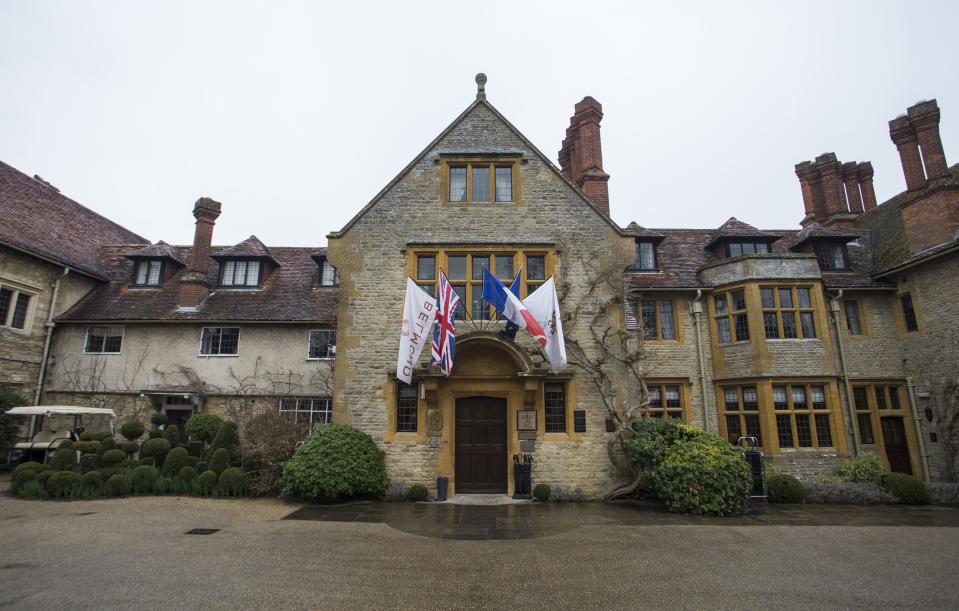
(45,440)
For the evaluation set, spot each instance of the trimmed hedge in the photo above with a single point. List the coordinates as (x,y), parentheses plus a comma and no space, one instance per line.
(89,462)
(906,488)
(62,484)
(144,479)
(203,427)
(156,449)
(172,434)
(118,485)
(334,463)
(132,429)
(783,488)
(176,459)
(418,493)
(87,447)
(541,492)
(64,459)
(847,493)
(91,482)
(112,458)
(227,439)
(231,482)
(88,436)
(208,482)
(158,419)
(220,462)
(130,447)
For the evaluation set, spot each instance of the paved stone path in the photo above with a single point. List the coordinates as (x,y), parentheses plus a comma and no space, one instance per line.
(526,521)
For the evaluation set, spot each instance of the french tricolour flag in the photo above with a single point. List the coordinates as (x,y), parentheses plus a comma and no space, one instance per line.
(510,306)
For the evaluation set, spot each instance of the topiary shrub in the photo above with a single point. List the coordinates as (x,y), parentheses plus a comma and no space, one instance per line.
(147,461)
(9,425)
(154,434)
(32,490)
(89,462)
(130,448)
(541,492)
(30,465)
(335,462)
(231,482)
(194,448)
(65,444)
(867,467)
(106,445)
(202,466)
(652,438)
(172,434)
(118,484)
(64,459)
(63,484)
(207,482)
(102,435)
(112,458)
(91,484)
(87,447)
(144,478)
(906,488)
(166,485)
(418,493)
(220,461)
(132,429)
(227,439)
(20,479)
(704,475)
(158,419)
(88,436)
(156,449)
(175,460)
(203,427)
(43,476)
(783,488)
(186,480)
(847,493)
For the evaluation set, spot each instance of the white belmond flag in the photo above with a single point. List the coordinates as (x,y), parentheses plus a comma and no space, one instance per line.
(543,304)
(419,311)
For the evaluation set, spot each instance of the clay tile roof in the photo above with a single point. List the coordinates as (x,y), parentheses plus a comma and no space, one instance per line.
(817,232)
(734,228)
(160,250)
(250,247)
(38,219)
(641,232)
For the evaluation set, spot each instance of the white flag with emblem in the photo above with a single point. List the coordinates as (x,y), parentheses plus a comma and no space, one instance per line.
(543,304)
(419,311)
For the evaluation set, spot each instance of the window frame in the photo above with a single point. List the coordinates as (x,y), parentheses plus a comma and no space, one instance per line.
(793,414)
(327,412)
(654,333)
(661,408)
(220,354)
(730,315)
(246,285)
(491,164)
(149,264)
(637,263)
(413,409)
(858,307)
(86,340)
(560,419)
(740,413)
(907,325)
(728,250)
(825,258)
(876,408)
(322,265)
(15,293)
(795,309)
(331,346)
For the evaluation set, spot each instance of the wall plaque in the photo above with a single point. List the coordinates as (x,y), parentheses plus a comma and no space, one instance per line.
(579,420)
(526,420)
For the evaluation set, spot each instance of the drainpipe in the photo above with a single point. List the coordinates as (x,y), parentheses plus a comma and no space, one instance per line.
(911,386)
(48,337)
(696,306)
(835,311)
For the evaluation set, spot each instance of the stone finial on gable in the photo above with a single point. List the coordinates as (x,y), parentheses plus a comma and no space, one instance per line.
(480,86)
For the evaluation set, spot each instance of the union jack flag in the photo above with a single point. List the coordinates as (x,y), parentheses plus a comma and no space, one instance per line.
(444,335)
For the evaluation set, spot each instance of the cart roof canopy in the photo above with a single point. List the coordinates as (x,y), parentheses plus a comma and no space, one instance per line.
(60,410)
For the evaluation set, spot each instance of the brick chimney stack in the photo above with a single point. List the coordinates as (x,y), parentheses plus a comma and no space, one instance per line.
(581,156)
(904,137)
(832,191)
(924,118)
(194,286)
(848,171)
(864,174)
(811,192)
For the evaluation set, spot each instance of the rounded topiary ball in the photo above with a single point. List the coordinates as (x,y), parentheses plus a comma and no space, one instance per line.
(203,427)
(106,444)
(208,482)
(118,485)
(156,449)
(220,461)
(175,460)
(88,436)
(64,459)
(231,482)
(89,462)
(87,447)
(91,481)
(158,419)
(129,447)
(144,478)
(187,474)
(132,429)
(906,488)
(783,488)
(172,434)
(418,493)
(62,484)
(112,458)
(541,492)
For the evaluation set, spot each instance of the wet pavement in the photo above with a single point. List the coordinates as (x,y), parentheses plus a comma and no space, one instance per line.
(534,520)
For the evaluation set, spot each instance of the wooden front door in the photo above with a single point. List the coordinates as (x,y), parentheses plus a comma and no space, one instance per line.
(481,462)
(897,449)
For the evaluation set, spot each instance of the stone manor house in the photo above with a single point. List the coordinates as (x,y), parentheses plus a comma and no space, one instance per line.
(836,337)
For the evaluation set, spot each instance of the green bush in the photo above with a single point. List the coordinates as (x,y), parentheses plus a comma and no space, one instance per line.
(158,419)
(66,444)
(418,493)
(112,458)
(30,465)
(91,483)
(705,475)
(9,425)
(652,438)
(64,459)
(147,461)
(132,429)
(88,436)
(166,485)
(63,484)
(541,492)
(335,462)
(102,435)
(220,461)
(783,488)
(43,476)
(187,474)
(119,484)
(231,482)
(89,462)
(202,467)
(154,434)
(20,479)
(87,447)
(227,439)
(867,467)
(32,490)
(106,444)
(906,488)
(172,434)
(130,447)
(194,447)
(186,480)
(144,478)
(175,460)
(208,482)
(156,449)
(203,427)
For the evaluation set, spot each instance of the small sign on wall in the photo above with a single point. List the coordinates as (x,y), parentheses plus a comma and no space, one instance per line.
(579,420)
(526,420)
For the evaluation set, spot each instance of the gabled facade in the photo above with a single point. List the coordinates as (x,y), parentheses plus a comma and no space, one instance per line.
(823,341)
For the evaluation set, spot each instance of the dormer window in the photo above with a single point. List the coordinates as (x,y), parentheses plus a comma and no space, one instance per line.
(645,255)
(147,272)
(328,274)
(240,272)
(832,256)
(737,249)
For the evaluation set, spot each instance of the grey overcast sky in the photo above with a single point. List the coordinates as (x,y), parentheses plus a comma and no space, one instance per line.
(295,115)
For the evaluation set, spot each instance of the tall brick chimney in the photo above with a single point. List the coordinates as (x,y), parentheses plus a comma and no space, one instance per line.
(581,156)
(904,137)
(924,118)
(832,188)
(850,180)
(811,192)
(864,173)
(194,286)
